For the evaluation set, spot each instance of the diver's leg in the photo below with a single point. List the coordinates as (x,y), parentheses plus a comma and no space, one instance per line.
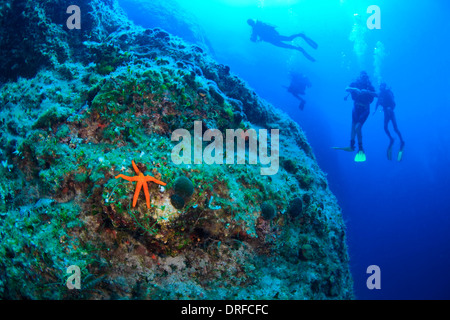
(391,140)
(394,124)
(353,136)
(353,130)
(286,38)
(299,35)
(296,95)
(362,119)
(302,103)
(301,106)
(307,40)
(358,129)
(386,125)
(402,143)
(288,46)
(388,116)
(360,155)
(282,45)
(307,56)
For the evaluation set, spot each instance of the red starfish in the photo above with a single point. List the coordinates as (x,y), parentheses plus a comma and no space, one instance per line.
(142,181)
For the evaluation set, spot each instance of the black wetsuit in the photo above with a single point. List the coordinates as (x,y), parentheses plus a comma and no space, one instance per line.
(386,100)
(362,101)
(265,32)
(268,33)
(361,109)
(297,88)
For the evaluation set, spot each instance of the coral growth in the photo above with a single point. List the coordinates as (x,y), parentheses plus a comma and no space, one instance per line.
(295,207)
(183,187)
(267,211)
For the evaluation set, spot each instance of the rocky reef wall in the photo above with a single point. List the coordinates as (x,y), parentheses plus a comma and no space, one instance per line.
(80,108)
(169,16)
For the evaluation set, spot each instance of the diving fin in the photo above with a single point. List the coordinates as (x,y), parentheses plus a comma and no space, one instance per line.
(310,42)
(307,56)
(302,105)
(360,156)
(348,149)
(389,150)
(400,153)
(389,153)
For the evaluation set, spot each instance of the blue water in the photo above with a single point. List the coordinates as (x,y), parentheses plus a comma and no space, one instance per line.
(397,213)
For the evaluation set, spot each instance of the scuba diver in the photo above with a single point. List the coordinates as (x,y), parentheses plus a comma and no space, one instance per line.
(363,94)
(264,32)
(386,100)
(299,83)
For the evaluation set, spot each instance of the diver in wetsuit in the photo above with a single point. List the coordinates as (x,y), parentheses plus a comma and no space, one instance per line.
(264,32)
(299,83)
(363,94)
(386,100)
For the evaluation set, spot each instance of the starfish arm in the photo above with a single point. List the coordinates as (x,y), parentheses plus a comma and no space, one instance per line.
(150,178)
(136,193)
(126,177)
(135,167)
(147,195)
(141,181)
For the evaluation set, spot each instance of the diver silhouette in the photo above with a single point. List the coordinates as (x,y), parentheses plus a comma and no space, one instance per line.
(264,32)
(299,83)
(386,100)
(363,94)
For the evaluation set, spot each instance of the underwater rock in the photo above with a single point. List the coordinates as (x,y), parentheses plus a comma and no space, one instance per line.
(169,16)
(289,165)
(215,234)
(224,70)
(160,34)
(51,117)
(306,252)
(202,92)
(237,117)
(306,199)
(215,92)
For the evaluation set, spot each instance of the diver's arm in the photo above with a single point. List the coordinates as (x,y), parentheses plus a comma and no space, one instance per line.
(372,93)
(352,89)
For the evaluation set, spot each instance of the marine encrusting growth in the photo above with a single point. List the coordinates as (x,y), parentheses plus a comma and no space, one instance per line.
(78,106)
